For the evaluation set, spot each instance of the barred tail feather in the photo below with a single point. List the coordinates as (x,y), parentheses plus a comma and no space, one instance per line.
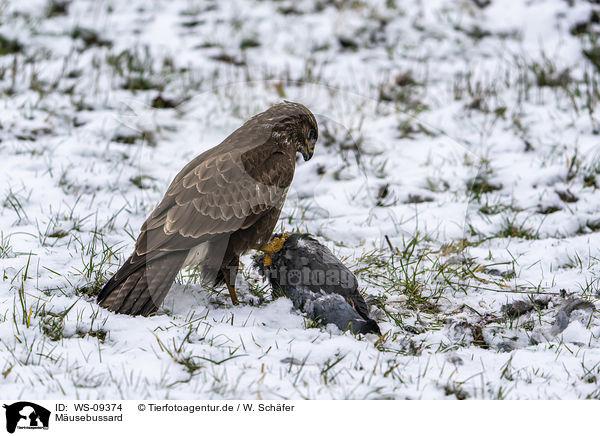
(140,287)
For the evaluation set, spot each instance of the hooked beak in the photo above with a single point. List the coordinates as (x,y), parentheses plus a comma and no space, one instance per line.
(308,151)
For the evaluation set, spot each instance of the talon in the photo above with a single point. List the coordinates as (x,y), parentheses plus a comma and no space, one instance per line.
(273,247)
(267,259)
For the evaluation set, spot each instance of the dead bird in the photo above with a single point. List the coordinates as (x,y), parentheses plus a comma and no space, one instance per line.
(563,316)
(520,307)
(317,282)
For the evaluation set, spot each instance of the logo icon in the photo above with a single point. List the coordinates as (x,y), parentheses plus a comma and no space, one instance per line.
(26,415)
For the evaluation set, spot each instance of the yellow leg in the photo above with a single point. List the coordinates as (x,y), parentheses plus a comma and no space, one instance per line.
(273,247)
(229,274)
(232,294)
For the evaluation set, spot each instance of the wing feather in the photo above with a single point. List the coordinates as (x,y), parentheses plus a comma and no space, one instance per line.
(220,194)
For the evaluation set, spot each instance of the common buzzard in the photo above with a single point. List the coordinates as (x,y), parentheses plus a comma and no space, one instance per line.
(224,202)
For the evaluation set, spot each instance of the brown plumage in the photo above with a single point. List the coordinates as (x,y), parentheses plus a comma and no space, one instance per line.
(224,202)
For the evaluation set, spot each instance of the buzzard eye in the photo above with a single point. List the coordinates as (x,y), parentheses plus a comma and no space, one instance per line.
(312,135)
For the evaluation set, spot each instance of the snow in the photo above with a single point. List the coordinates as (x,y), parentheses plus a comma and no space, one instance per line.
(77,132)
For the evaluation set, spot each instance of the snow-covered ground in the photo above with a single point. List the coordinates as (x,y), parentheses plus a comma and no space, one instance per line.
(456,172)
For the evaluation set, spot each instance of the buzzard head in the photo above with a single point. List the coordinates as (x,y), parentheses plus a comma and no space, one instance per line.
(295,125)
(311,134)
